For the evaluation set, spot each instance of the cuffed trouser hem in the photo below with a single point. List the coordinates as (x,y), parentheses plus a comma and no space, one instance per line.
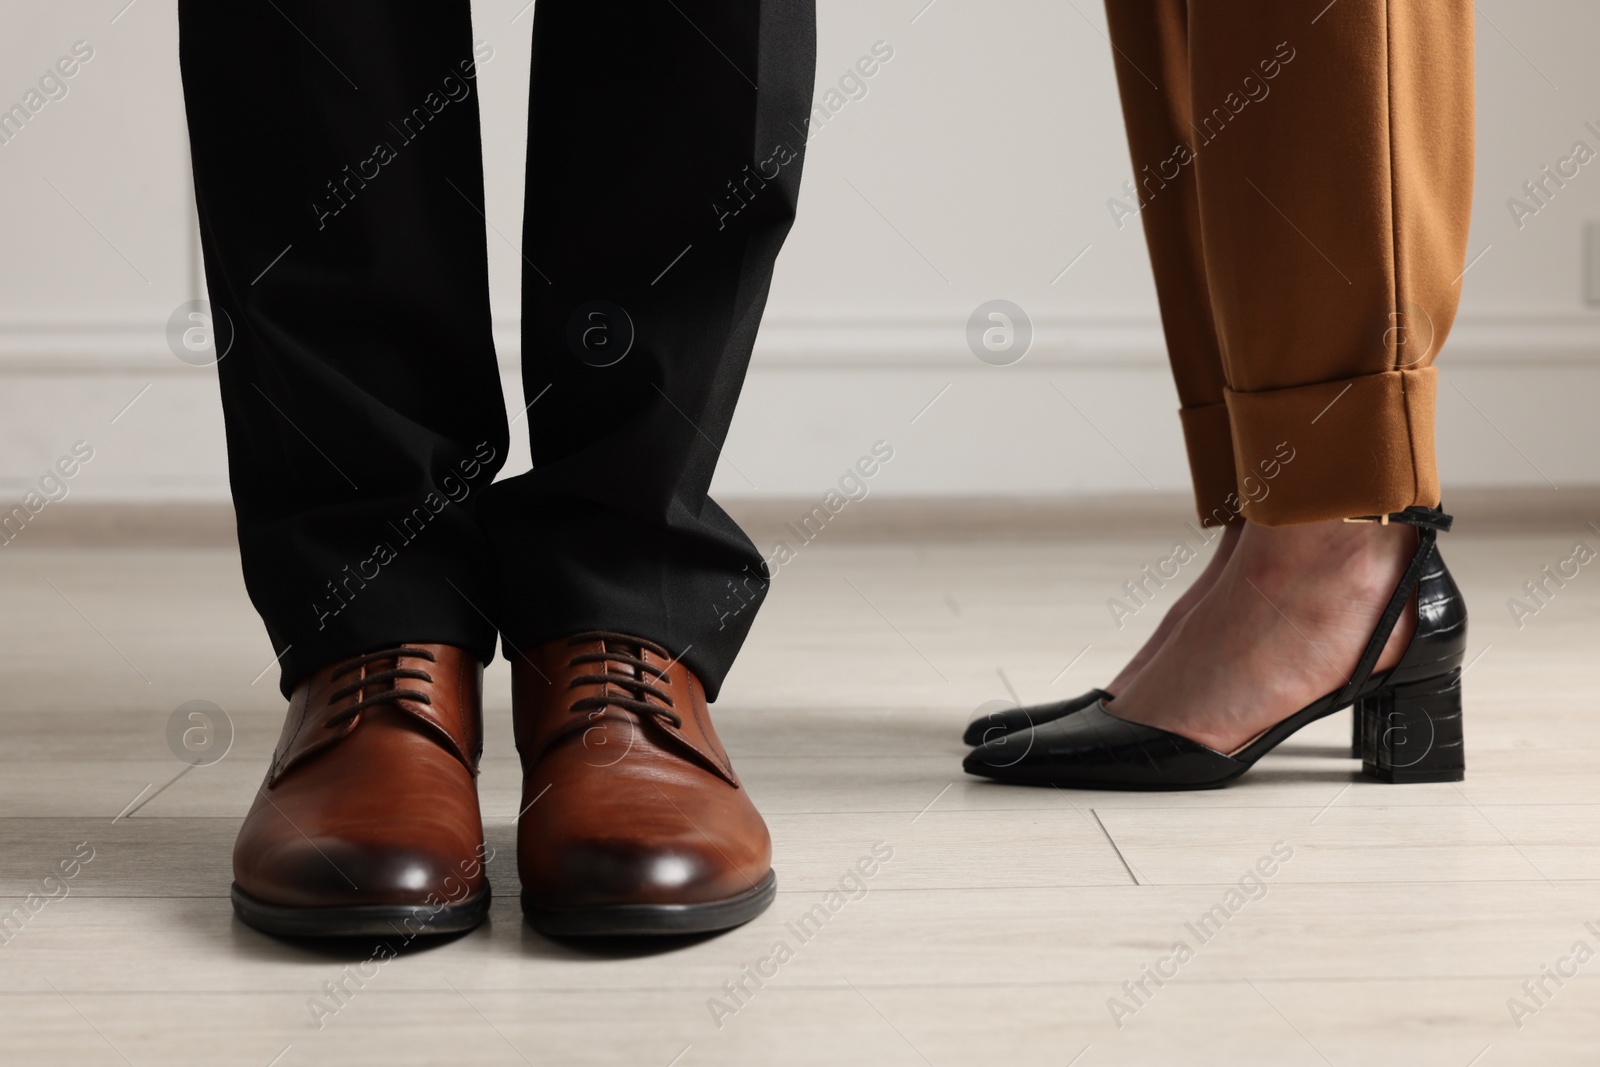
(1360,446)
(1209,440)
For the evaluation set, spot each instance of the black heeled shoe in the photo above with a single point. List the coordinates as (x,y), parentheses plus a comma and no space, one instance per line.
(1409,716)
(997,724)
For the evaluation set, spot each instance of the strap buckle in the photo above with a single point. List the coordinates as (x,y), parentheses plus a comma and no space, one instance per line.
(1422,517)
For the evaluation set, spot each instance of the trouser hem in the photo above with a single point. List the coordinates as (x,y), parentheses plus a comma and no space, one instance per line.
(1208,436)
(1340,449)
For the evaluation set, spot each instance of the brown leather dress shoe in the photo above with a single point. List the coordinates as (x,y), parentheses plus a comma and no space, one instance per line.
(633,821)
(368,820)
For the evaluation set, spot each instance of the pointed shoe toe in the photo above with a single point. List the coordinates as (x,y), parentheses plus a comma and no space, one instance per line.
(997,724)
(1094,749)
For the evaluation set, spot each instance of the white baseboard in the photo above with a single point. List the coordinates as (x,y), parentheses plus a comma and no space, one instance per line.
(878,520)
(87,346)
(1516,409)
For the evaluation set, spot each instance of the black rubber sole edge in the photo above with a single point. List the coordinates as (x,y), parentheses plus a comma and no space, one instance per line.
(651,920)
(1114,787)
(364,920)
(1402,776)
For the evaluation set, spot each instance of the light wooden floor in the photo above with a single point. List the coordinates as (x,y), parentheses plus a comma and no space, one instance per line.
(997,933)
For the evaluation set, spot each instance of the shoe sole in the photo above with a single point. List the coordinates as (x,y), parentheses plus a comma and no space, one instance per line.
(651,920)
(1402,776)
(364,920)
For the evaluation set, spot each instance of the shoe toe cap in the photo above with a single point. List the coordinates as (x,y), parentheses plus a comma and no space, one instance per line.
(344,872)
(665,869)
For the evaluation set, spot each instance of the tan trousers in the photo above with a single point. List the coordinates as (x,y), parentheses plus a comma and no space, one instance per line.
(1304,180)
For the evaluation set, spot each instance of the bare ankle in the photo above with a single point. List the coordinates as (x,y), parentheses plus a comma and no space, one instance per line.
(1357,555)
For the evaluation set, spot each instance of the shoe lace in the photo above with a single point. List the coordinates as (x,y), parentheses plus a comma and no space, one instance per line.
(638,694)
(390,677)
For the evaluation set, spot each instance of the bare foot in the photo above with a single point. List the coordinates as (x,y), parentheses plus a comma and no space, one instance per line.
(1283,624)
(1180,608)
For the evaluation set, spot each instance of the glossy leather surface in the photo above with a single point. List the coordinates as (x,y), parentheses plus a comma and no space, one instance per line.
(629,798)
(371,799)
(997,724)
(1440,643)
(1094,749)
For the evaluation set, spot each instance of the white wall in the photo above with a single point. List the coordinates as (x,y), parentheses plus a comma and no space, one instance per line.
(978,166)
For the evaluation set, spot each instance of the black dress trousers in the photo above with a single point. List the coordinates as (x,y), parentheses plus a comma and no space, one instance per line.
(339,178)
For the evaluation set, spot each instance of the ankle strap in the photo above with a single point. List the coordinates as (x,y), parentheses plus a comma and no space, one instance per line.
(1425,518)
(1429,522)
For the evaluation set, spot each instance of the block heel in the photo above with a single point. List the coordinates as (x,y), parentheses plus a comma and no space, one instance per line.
(1412,732)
